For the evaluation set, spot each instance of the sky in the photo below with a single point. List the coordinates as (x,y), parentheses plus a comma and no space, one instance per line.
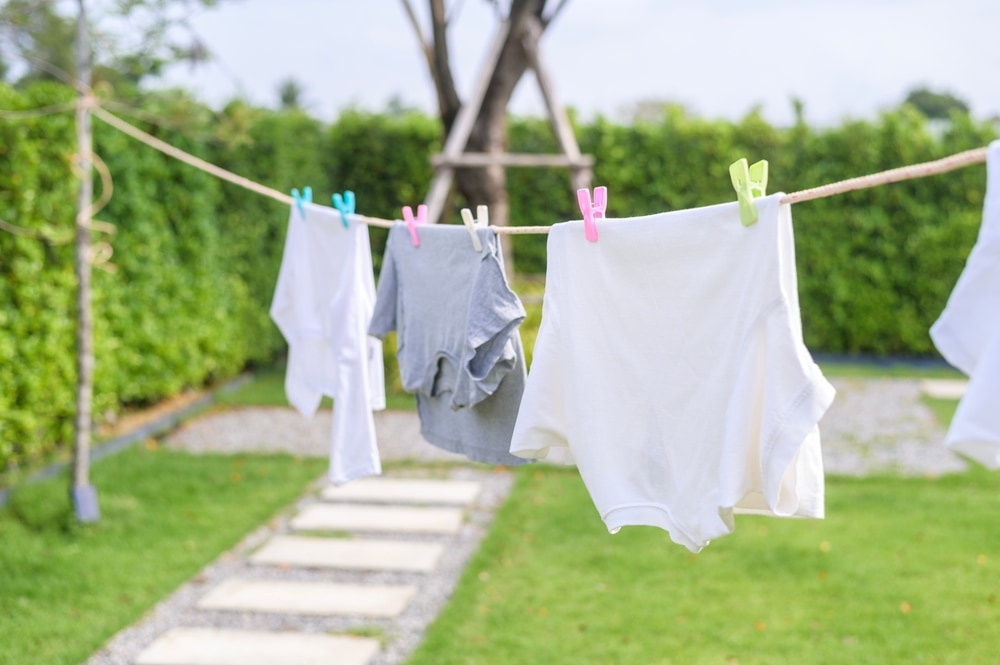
(719,58)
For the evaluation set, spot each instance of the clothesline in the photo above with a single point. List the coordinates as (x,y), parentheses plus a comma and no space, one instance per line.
(935,167)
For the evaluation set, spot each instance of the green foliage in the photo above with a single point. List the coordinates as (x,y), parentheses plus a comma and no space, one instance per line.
(37,296)
(875,266)
(40,35)
(197,259)
(383,159)
(938,105)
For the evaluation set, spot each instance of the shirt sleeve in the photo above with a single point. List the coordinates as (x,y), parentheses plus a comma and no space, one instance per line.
(542,419)
(288,311)
(366,276)
(386,296)
(495,312)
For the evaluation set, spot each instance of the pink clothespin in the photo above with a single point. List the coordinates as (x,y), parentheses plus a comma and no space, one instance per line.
(592,211)
(411,223)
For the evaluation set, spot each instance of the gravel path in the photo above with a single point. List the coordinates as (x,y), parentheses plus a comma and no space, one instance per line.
(874,426)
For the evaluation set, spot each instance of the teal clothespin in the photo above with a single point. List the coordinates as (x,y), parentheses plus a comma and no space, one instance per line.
(750,182)
(302,199)
(345,205)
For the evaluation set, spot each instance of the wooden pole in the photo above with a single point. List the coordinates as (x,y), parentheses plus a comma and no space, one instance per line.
(84,494)
(581,171)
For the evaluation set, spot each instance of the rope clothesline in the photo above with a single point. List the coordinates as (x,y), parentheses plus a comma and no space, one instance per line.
(924,169)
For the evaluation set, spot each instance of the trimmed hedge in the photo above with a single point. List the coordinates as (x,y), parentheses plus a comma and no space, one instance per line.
(197,259)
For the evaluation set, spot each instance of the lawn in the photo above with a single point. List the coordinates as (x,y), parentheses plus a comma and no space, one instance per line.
(900,571)
(268,389)
(66,588)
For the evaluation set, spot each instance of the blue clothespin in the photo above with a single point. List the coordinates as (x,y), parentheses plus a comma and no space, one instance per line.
(345,205)
(302,199)
(750,182)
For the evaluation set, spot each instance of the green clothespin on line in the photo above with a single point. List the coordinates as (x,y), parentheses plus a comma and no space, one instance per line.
(750,182)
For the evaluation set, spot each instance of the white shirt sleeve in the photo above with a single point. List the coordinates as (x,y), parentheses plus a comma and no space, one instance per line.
(968,333)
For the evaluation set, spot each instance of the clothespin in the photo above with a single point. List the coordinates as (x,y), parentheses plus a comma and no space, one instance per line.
(411,223)
(302,199)
(344,205)
(592,211)
(749,183)
(482,221)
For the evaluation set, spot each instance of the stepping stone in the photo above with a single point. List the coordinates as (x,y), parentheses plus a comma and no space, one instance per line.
(308,598)
(348,517)
(212,646)
(400,490)
(944,388)
(350,554)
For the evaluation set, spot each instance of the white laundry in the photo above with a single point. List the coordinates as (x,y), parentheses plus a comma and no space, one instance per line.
(670,361)
(968,333)
(322,304)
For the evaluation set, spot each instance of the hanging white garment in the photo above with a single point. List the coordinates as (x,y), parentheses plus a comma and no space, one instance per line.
(968,333)
(322,304)
(670,361)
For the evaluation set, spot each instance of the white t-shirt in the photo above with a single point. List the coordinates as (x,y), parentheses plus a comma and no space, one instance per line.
(670,361)
(968,333)
(322,304)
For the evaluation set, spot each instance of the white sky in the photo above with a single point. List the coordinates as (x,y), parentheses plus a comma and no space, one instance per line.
(843,58)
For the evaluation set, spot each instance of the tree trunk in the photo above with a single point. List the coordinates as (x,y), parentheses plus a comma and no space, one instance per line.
(482,185)
(488,185)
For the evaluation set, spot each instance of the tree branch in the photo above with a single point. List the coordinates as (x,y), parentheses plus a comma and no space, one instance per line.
(424,46)
(444,81)
(555,12)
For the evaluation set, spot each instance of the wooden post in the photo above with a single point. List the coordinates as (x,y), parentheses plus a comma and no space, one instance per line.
(83,493)
(580,171)
(453,154)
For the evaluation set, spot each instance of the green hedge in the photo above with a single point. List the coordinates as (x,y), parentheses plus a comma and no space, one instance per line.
(197,258)
(37,297)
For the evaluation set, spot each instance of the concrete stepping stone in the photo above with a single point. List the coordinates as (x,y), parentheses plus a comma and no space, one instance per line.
(944,388)
(350,517)
(404,490)
(276,596)
(212,646)
(349,554)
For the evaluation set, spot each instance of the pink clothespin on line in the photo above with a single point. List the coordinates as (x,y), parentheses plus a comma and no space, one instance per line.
(592,211)
(411,223)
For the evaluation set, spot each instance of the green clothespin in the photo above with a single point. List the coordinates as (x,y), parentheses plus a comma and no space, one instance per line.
(750,182)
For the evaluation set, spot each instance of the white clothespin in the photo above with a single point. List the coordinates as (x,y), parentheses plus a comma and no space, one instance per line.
(481,222)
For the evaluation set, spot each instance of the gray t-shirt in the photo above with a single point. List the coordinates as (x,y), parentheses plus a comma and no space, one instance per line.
(458,346)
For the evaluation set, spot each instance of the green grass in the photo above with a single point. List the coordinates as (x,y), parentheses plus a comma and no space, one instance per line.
(944,409)
(267,388)
(900,571)
(66,588)
(887,369)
